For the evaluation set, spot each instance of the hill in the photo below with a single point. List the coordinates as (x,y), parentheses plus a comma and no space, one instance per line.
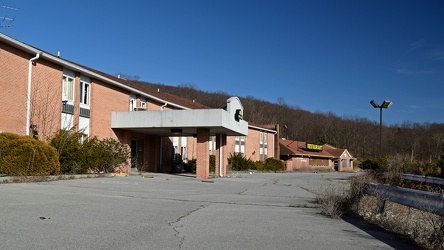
(421,142)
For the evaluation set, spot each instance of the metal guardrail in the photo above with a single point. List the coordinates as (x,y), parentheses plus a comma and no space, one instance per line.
(427,201)
(424,179)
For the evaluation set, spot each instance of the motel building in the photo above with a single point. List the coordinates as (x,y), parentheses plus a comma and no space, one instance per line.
(42,93)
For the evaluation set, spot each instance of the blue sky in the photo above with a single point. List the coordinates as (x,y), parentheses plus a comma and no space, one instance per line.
(320,56)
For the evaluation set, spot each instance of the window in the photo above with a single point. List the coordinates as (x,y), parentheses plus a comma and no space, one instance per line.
(84,93)
(68,89)
(132,102)
(239,145)
(263,141)
(142,102)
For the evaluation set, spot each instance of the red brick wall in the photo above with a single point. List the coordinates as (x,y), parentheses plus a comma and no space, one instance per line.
(46,98)
(105,99)
(13,87)
(46,86)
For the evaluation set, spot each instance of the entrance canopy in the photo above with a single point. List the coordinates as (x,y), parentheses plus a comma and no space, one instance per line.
(200,123)
(184,122)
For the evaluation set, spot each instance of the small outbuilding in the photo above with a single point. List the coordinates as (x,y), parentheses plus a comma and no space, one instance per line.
(298,155)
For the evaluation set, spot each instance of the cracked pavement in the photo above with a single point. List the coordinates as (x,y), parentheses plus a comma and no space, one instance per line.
(250,211)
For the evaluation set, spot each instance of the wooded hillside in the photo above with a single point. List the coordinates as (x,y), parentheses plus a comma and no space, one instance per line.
(419,142)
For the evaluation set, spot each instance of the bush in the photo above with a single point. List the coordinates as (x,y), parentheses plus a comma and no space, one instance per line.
(212,163)
(68,146)
(332,200)
(190,166)
(23,155)
(273,164)
(237,162)
(91,155)
(374,163)
(113,154)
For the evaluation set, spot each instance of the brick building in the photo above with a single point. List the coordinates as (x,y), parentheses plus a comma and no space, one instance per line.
(299,155)
(42,93)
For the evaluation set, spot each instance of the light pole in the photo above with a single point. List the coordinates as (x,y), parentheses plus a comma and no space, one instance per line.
(386,104)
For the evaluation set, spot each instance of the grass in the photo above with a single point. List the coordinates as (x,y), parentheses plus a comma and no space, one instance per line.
(425,228)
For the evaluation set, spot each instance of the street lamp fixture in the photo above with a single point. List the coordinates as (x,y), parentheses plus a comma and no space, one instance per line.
(385,105)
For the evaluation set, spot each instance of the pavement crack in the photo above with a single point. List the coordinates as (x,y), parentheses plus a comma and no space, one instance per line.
(176,227)
(261,186)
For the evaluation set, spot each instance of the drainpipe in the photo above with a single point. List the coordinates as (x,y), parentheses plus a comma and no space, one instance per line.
(28,104)
(163,106)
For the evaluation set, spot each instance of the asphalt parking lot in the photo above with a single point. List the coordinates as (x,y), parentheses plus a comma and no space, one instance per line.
(157,211)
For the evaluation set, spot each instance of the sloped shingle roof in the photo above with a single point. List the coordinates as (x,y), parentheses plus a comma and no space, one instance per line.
(290,147)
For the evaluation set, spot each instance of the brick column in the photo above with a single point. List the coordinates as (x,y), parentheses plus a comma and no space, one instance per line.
(203,155)
(221,155)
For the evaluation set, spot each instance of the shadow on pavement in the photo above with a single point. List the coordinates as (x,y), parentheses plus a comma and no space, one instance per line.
(394,240)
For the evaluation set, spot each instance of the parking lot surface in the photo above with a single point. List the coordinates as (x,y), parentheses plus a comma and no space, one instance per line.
(158,211)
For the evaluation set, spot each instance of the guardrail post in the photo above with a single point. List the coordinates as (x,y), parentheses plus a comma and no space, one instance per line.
(381,206)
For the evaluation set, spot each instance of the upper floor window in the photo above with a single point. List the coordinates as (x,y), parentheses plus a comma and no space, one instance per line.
(132,102)
(142,102)
(68,89)
(84,93)
(239,145)
(263,141)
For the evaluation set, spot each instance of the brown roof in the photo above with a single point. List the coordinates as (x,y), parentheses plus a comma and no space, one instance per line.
(290,147)
(149,90)
(165,96)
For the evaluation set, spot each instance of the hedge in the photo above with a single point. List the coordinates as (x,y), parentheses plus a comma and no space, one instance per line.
(24,155)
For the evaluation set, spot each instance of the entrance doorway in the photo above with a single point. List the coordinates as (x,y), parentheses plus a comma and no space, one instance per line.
(134,155)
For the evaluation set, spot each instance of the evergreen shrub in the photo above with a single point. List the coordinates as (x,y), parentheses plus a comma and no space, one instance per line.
(273,164)
(25,156)
(93,155)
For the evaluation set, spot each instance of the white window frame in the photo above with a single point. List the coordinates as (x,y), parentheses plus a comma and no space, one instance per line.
(142,102)
(68,84)
(85,88)
(132,102)
(263,147)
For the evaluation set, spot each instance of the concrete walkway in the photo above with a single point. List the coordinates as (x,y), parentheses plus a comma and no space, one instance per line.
(158,211)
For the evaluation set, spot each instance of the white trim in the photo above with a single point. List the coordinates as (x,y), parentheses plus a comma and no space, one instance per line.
(263,129)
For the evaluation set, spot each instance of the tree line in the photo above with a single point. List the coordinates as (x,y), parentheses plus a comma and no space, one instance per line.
(417,141)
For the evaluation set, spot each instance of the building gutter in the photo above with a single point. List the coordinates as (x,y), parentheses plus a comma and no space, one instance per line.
(263,129)
(28,101)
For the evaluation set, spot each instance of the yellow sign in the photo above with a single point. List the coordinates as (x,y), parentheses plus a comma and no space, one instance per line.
(312,146)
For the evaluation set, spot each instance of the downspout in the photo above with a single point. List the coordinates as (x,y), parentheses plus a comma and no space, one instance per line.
(161,138)
(28,104)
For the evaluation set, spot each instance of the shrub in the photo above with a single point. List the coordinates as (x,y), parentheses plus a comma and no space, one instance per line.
(374,163)
(212,163)
(440,164)
(113,154)
(237,162)
(332,200)
(68,146)
(190,166)
(91,155)
(23,155)
(273,164)
(428,168)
